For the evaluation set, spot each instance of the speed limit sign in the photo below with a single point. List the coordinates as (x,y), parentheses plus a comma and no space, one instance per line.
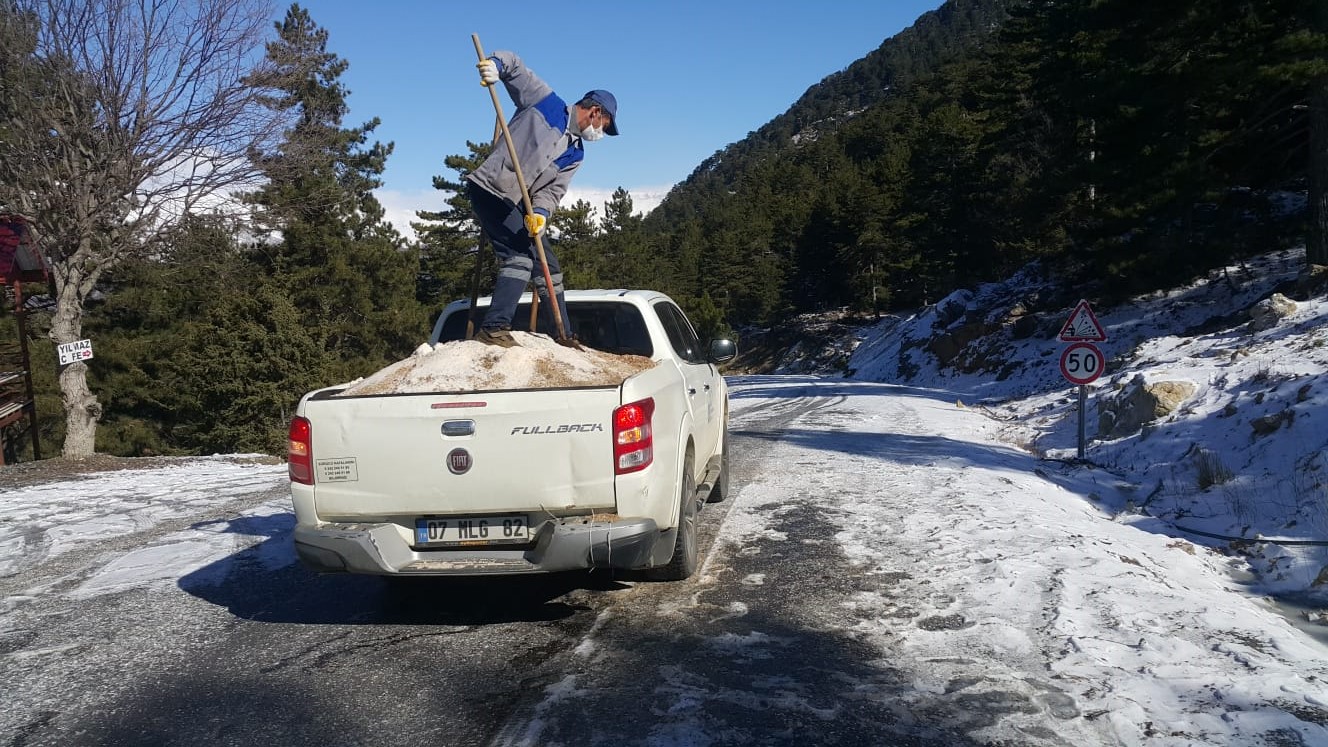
(1082,363)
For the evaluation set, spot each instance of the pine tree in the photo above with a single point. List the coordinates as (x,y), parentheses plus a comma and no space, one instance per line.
(199,351)
(141,328)
(624,260)
(1304,56)
(449,239)
(343,266)
(241,368)
(575,237)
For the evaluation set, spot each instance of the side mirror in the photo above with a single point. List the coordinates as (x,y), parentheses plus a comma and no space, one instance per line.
(722,351)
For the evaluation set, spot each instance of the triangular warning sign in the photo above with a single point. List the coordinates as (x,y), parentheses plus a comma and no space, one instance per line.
(1082,326)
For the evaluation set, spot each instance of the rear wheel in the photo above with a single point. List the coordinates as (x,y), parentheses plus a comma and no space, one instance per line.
(685,551)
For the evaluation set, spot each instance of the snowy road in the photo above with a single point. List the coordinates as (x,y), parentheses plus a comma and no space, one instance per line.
(887,572)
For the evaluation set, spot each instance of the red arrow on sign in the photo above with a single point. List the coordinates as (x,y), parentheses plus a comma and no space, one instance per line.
(1082,326)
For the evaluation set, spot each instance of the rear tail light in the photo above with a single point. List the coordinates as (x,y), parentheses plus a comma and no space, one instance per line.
(633,440)
(300,454)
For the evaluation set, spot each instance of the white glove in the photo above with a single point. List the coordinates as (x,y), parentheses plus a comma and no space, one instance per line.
(488,72)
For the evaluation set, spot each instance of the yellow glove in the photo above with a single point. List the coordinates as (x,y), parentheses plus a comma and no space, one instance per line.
(488,72)
(534,224)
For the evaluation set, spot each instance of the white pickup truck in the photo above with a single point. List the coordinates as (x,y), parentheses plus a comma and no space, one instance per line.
(522,480)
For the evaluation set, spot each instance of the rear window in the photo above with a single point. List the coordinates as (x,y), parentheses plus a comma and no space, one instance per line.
(603,325)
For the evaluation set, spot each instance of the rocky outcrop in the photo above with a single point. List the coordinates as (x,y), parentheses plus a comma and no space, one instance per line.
(1269,312)
(949,344)
(1268,424)
(1140,402)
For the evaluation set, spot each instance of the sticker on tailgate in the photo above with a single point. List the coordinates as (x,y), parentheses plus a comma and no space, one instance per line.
(337,470)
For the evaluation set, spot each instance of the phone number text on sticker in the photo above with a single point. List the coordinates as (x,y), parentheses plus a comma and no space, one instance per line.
(337,470)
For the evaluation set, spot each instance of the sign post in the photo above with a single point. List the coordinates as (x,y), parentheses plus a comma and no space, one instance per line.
(1082,362)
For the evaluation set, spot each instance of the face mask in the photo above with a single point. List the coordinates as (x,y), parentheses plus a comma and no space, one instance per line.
(592,133)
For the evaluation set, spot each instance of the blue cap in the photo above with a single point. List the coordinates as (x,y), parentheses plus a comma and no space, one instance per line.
(610,105)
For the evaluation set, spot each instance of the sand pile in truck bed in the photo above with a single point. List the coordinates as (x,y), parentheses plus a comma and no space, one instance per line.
(467,365)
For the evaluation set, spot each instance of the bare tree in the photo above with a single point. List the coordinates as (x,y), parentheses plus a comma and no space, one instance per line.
(117,117)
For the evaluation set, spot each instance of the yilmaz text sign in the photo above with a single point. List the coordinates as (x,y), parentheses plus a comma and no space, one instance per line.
(72,352)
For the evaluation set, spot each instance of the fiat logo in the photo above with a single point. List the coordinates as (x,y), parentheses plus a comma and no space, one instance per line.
(458,461)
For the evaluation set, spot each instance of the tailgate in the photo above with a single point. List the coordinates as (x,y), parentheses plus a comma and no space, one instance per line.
(482,452)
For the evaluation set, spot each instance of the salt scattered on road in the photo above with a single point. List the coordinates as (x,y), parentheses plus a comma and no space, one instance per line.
(537,363)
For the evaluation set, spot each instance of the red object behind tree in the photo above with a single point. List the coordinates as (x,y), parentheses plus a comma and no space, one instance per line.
(19,258)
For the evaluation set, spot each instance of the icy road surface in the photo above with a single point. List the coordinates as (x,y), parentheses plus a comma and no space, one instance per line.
(889,573)
(886,572)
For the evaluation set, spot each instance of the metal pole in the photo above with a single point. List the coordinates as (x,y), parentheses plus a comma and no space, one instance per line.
(1083,438)
(21,317)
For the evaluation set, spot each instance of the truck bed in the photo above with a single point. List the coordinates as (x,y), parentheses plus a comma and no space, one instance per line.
(405,443)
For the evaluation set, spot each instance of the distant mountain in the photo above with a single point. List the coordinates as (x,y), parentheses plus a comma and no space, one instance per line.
(1131,144)
(937,37)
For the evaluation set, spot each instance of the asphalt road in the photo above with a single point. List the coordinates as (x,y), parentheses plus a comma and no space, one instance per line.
(753,650)
(268,657)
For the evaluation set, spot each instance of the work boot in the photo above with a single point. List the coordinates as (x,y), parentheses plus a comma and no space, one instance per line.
(500,336)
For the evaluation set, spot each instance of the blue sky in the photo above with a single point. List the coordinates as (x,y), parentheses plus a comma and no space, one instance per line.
(690,77)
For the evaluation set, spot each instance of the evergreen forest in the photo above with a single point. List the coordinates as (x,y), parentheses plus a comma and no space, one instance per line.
(1124,145)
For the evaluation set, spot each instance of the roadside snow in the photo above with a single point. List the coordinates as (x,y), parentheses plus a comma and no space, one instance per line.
(1205,467)
(1014,575)
(43,522)
(537,362)
(186,553)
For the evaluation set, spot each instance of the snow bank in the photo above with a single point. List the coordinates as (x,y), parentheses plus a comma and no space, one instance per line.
(537,363)
(1242,458)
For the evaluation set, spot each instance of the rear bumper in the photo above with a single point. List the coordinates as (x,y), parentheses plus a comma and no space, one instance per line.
(560,545)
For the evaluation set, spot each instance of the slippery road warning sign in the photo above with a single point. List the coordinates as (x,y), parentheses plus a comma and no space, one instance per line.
(1082,326)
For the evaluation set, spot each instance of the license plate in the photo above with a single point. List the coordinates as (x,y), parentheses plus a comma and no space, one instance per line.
(472,530)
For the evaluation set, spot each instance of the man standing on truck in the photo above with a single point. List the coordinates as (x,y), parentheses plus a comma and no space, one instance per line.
(547,135)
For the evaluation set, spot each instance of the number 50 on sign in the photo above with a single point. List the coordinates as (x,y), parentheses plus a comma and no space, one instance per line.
(1082,363)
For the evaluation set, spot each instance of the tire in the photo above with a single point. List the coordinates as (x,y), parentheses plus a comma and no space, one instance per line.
(685,550)
(720,491)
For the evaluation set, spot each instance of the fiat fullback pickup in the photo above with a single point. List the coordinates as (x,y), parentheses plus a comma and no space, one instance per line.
(514,481)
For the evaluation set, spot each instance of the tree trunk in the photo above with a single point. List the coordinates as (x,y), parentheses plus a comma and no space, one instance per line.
(1316,242)
(1316,239)
(82,410)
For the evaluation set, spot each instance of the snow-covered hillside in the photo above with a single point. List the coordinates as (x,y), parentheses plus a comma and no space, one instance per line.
(1239,463)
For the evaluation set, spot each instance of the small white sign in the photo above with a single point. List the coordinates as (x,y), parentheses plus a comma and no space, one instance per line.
(71,352)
